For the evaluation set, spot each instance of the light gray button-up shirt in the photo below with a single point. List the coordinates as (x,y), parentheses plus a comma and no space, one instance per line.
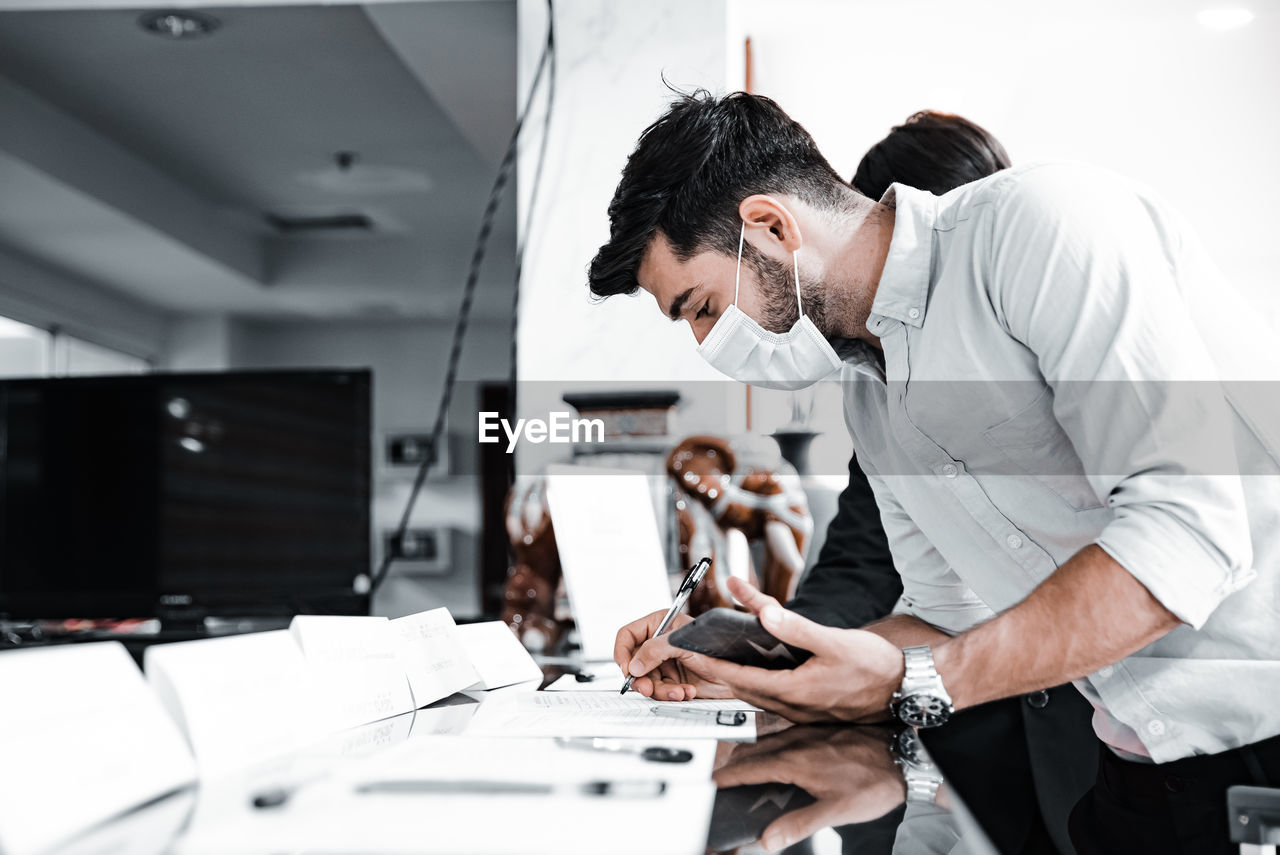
(1063,366)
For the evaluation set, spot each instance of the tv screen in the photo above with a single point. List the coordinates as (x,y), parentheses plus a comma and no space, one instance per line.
(242,493)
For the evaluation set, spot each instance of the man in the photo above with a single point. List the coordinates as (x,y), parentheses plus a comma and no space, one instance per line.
(1031,370)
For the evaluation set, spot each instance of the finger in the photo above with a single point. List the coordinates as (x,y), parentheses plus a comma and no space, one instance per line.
(797,825)
(632,636)
(797,630)
(749,595)
(653,653)
(778,707)
(666,683)
(671,685)
(757,769)
(737,677)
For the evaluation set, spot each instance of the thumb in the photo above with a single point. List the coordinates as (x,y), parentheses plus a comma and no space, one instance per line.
(796,825)
(796,629)
(749,595)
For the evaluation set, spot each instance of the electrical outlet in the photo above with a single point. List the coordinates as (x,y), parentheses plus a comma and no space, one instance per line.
(408,449)
(421,550)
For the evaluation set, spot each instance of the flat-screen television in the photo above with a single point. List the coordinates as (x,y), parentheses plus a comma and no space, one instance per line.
(184,495)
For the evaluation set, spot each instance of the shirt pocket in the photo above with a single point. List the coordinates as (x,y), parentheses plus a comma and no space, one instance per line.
(1035,444)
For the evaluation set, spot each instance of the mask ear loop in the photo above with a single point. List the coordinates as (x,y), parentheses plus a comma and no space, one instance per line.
(737,275)
(795,263)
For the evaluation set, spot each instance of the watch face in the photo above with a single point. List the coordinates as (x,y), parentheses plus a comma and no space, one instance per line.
(923,710)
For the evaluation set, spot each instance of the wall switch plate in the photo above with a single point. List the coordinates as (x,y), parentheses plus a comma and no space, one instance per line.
(408,449)
(420,550)
(404,451)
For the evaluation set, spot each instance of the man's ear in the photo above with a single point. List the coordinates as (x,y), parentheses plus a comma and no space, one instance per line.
(768,219)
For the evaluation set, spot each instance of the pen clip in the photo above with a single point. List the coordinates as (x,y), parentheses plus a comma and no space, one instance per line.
(695,574)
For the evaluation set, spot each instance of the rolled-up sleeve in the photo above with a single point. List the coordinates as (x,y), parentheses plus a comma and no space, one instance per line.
(1085,275)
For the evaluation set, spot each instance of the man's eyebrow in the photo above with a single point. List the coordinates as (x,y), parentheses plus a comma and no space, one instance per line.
(677,305)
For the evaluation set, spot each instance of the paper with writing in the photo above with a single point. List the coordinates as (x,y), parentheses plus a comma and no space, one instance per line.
(354,666)
(433,658)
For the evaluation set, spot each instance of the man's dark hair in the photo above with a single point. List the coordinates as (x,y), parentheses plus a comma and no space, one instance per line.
(930,151)
(692,168)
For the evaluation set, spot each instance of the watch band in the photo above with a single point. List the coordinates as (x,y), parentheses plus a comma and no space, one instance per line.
(919,773)
(922,701)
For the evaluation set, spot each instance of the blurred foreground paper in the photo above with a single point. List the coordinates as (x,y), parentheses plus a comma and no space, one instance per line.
(82,739)
(331,815)
(610,551)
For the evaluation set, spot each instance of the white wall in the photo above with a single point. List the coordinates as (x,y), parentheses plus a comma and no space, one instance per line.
(1140,88)
(612,57)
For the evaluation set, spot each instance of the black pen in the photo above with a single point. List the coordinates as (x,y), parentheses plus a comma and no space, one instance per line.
(682,596)
(413,787)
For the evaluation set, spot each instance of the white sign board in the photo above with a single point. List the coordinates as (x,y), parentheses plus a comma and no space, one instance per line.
(610,551)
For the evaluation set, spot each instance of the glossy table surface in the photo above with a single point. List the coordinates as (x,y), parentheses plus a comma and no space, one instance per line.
(1011,774)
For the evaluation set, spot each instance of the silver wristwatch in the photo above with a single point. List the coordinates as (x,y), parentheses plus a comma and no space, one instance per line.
(922,776)
(922,701)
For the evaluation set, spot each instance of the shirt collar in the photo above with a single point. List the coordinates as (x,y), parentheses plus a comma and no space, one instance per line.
(904,285)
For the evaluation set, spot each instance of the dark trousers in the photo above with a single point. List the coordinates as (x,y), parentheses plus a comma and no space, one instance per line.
(1169,808)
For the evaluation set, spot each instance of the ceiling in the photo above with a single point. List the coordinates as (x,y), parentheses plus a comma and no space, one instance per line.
(151,166)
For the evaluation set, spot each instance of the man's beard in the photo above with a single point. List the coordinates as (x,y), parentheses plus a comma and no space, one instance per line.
(776,287)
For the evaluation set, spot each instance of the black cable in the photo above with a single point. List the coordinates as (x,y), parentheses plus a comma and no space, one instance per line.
(468,296)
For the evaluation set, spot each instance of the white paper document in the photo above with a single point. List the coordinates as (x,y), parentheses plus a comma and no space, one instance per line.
(354,667)
(607,536)
(497,655)
(572,714)
(432,655)
(82,739)
(238,699)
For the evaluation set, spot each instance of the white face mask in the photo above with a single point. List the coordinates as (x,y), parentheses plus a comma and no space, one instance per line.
(738,346)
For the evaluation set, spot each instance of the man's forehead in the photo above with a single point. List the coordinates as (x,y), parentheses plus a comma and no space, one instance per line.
(658,267)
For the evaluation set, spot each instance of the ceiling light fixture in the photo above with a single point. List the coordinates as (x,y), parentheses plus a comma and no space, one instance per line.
(1224,18)
(178,25)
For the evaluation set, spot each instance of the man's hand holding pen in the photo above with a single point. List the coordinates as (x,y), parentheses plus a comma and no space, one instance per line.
(851,676)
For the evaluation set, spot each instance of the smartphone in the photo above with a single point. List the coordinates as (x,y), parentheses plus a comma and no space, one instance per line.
(737,637)
(741,814)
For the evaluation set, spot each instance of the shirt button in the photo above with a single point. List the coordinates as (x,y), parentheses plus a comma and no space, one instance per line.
(1038,700)
(1155,727)
(1106,672)
(1014,541)
(913,313)
(950,470)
